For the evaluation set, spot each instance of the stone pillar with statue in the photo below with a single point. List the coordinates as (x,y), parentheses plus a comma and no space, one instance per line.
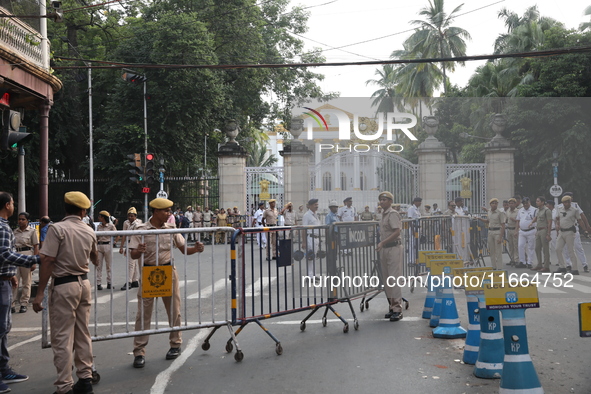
(432,159)
(231,169)
(500,162)
(296,162)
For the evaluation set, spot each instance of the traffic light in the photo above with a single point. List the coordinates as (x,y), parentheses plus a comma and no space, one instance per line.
(137,169)
(11,136)
(149,169)
(134,78)
(58,13)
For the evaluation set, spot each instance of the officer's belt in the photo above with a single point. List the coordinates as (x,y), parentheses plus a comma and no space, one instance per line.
(271,225)
(104,243)
(573,229)
(159,265)
(392,244)
(67,279)
(494,228)
(529,229)
(23,249)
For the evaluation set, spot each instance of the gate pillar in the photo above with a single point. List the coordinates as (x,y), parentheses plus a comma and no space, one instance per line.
(500,162)
(296,164)
(232,174)
(432,158)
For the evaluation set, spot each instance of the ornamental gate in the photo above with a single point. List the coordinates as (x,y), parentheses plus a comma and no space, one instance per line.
(263,184)
(469,182)
(362,175)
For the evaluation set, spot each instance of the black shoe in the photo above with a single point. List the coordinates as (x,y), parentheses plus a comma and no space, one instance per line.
(173,353)
(13,310)
(560,271)
(108,286)
(586,268)
(135,284)
(569,268)
(520,265)
(574,272)
(23,309)
(99,287)
(396,316)
(139,362)
(510,263)
(126,286)
(83,386)
(388,315)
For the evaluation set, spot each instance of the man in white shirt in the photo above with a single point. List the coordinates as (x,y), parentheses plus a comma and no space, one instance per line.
(189,216)
(347,213)
(553,235)
(257,221)
(526,234)
(414,213)
(461,226)
(578,246)
(312,235)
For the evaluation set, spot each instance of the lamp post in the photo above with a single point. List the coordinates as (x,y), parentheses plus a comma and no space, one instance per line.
(555,172)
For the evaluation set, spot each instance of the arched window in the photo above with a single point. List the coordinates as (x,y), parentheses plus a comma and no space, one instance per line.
(327,181)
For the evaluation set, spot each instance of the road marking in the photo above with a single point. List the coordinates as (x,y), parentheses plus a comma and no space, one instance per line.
(257,286)
(550,290)
(206,292)
(581,288)
(298,322)
(163,377)
(33,339)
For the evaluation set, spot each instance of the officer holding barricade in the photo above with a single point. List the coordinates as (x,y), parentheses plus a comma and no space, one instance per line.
(496,229)
(390,253)
(158,254)
(568,216)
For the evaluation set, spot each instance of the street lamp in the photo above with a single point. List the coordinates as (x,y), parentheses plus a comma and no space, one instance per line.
(555,172)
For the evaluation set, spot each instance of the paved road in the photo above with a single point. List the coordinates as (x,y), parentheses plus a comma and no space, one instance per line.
(381,356)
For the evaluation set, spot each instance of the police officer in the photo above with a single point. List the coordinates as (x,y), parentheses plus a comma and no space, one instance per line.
(511,216)
(347,213)
(257,221)
(289,214)
(390,252)
(161,210)
(104,250)
(525,233)
(9,260)
(270,220)
(69,246)
(25,242)
(568,216)
(332,215)
(543,221)
(496,229)
(133,269)
(366,216)
(312,239)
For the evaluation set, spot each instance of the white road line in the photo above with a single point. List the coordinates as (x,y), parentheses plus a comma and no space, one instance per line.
(164,377)
(550,290)
(581,288)
(257,286)
(206,292)
(33,339)
(297,322)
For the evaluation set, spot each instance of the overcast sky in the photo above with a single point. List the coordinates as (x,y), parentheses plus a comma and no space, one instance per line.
(337,23)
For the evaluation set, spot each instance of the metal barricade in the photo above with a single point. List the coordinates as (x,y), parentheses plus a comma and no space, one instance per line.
(204,287)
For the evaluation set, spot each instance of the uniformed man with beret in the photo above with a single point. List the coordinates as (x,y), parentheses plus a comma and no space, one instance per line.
(69,246)
(390,253)
(133,271)
(161,210)
(9,261)
(270,220)
(496,228)
(105,250)
(568,216)
(347,212)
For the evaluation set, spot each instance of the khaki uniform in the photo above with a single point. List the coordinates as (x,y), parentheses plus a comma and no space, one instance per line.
(270,220)
(290,218)
(366,216)
(496,218)
(222,221)
(512,242)
(207,219)
(391,259)
(105,252)
(544,215)
(568,218)
(197,223)
(133,266)
(24,242)
(70,242)
(299,217)
(171,304)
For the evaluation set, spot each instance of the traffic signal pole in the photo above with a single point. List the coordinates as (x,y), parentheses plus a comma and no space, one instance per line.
(145,144)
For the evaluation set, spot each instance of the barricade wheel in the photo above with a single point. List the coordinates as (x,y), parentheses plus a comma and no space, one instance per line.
(239,356)
(205,345)
(356,325)
(346,328)
(406,304)
(362,306)
(229,347)
(96,377)
(366,304)
(279,349)
(324,321)
(303,325)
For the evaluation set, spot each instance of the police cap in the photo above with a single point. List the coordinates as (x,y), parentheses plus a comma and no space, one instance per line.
(105,213)
(312,201)
(386,195)
(161,203)
(132,210)
(566,198)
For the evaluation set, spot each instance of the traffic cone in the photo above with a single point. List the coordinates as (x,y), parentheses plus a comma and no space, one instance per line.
(434,322)
(490,355)
(430,299)
(473,338)
(519,374)
(449,322)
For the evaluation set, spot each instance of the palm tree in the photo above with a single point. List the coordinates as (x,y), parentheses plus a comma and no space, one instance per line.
(435,37)
(386,98)
(585,25)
